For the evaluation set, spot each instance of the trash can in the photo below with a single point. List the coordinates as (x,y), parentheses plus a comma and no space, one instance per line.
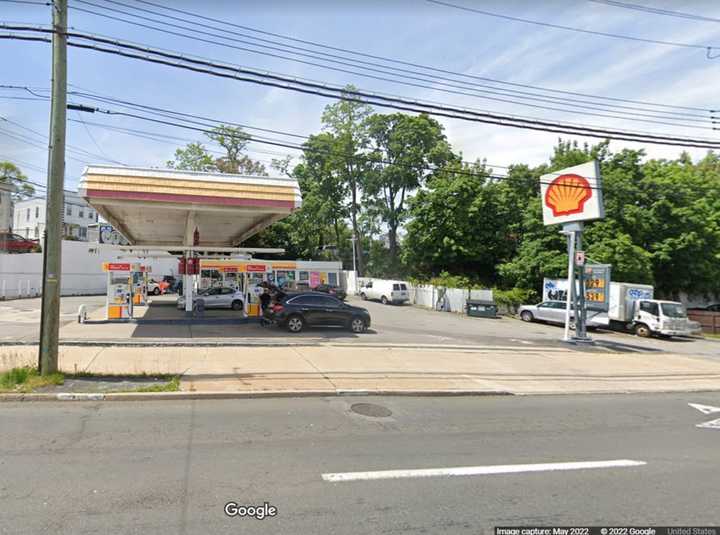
(480,309)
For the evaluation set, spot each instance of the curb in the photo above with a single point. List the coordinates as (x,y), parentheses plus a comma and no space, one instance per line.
(252,394)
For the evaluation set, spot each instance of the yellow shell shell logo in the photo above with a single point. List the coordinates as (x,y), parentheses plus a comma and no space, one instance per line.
(567,194)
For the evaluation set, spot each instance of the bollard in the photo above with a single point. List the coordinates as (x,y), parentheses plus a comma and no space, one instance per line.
(82,314)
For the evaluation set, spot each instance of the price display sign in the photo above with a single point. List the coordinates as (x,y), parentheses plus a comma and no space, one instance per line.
(597,287)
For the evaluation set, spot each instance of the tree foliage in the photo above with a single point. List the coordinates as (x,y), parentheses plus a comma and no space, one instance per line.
(233,141)
(11,174)
(404,151)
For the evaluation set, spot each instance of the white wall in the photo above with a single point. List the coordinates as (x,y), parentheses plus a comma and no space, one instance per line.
(21,274)
(428,296)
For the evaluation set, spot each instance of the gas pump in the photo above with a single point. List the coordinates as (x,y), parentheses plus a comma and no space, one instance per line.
(254,275)
(140,277)
(118,299)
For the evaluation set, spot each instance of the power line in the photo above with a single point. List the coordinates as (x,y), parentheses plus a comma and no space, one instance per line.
(708,49)
(656,10)
(70,148)
(417,65)
(28,2)
(501,95)
(338,93)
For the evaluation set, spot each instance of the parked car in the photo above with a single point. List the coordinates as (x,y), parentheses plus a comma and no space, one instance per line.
(332,290)
(156,288)
(216,298)
(316,308)
(395,292)
(14,243)
(295,286)
(552,312)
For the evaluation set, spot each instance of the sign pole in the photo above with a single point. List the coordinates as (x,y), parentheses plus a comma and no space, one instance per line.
(570,231)
(581,313)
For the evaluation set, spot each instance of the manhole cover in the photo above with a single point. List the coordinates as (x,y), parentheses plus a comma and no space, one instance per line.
(370,409)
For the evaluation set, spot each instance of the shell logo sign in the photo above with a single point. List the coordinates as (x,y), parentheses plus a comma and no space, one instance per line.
(572,194)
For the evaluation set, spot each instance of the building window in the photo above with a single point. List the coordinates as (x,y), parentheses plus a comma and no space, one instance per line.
(37,232)
(83,233)
(96,217)
(90,214)
(37,212)
(81,213)
(27,214)
(304,275)
(68,210)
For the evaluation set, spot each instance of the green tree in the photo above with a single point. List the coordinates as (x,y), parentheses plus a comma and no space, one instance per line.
(345,120)
(233,140)
(11,174)
(194,157)
(459,225)
(404,150)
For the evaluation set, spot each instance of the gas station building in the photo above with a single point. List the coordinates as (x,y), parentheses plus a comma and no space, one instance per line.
(202,219)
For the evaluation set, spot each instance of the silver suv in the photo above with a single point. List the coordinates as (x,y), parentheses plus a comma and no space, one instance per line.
(216,298)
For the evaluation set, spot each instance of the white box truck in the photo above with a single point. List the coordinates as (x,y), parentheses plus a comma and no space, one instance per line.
(633,308)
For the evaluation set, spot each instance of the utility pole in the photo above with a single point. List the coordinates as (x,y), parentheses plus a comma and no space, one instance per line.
(52,251)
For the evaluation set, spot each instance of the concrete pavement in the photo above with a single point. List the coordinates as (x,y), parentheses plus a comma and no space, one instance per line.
(338,368)
(171,467)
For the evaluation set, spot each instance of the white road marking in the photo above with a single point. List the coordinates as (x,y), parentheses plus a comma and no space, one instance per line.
(705,409)
(478,470)
(712,424)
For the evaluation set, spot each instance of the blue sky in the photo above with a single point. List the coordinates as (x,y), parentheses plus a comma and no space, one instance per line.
(414,31)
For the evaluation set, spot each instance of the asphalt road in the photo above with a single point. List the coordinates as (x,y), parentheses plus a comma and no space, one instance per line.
(170,467)
(20,318)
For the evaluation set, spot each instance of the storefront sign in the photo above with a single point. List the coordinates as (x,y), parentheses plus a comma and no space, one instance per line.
(255,268)
(116,266)
(230,269)
(572,194)
(287,266)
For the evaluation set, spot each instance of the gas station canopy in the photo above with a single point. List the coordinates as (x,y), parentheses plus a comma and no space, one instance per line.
(164,207)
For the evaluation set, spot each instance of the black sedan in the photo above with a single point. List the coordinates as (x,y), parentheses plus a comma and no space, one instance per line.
(316,308)
(332,290)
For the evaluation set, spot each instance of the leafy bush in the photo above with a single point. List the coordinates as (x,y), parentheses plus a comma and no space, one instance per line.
(512,299)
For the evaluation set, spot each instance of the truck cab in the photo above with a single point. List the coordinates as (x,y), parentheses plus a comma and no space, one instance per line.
(667,318)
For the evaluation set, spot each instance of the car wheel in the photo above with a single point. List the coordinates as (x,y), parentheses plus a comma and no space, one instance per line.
(295,324)
(237,305)
(357,325)
(363,297)
(156,291)
(526,315)
(642,330)
(384,300)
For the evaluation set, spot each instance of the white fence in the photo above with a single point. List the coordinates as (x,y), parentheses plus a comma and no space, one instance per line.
(21,274)
(427,295)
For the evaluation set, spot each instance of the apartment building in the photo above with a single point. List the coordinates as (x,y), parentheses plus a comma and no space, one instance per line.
(29,217)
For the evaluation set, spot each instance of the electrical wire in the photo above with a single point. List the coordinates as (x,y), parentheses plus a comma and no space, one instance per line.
(340,93)
(417,65)
(69,147)
(440,83)
(708,49)
(656,10)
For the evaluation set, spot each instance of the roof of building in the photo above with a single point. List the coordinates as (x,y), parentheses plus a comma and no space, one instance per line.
(164,206)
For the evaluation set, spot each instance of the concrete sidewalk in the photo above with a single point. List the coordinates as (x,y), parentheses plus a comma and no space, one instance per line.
(342,368)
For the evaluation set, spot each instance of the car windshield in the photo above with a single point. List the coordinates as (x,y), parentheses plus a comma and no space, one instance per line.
(673,310)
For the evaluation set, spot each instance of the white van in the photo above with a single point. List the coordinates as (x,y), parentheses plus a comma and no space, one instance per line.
(395,292)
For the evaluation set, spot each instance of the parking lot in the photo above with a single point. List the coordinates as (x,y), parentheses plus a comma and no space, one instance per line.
(391,324)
